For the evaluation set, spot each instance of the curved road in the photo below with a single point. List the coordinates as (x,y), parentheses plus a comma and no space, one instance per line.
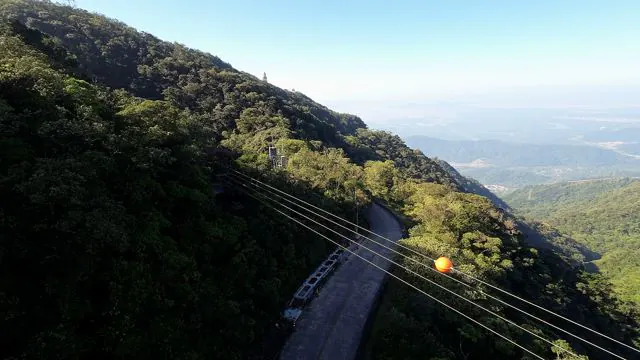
(331,326)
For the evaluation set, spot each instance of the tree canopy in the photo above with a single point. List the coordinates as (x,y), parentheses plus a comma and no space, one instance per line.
(114,243)
(599,214)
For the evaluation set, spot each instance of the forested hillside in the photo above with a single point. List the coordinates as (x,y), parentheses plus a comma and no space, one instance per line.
(113,243)
(108,210)
(112,240)
(604,215)
(111,53)
(489,245)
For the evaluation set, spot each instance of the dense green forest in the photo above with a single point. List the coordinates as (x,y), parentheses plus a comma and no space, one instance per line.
(488,244)
(107,197)
(114,244)
(600,214)
(112,231)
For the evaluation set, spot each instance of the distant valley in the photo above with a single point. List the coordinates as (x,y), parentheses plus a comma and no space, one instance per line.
(508,148)
(503,166)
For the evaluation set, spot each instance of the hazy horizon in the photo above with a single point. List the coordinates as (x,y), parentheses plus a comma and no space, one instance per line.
(596,101)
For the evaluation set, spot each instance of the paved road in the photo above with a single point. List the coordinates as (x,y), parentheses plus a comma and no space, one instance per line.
(331,327)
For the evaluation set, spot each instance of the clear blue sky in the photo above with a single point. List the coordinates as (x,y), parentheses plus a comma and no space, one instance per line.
(369,50)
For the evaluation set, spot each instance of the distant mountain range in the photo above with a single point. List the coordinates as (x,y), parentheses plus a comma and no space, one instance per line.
(500,153)
(472,186)
(512,165)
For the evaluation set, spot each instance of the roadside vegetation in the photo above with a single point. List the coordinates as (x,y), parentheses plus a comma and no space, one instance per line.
(113,242)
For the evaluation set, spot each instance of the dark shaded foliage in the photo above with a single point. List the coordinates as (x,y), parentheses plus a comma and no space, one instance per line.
(118,246)
(109,224)
(381,145)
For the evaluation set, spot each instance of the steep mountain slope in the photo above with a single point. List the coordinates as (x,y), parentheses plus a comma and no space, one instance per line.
(115,245)
(535,233)
(604,215)
(112,240)
(135,170)
(469,230)
(111,53)
(543,199)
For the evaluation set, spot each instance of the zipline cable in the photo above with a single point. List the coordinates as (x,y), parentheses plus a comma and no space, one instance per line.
(429,280)
(454,270)
(401,280)
(445,275)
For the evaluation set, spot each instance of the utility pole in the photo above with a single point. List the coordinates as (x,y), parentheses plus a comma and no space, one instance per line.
(273,155)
